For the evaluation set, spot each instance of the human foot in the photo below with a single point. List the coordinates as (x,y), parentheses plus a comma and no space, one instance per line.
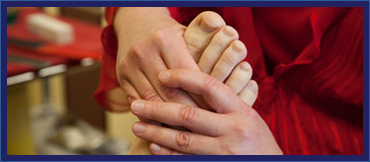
(218,52)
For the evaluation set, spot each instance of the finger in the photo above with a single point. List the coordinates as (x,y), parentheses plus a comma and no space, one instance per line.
(173,49)
(176,55)
(151,69)
(129,91)
(129,72)
(250,93)
(144,88)
(194,119)
(160,150)
(235,53)
(218,44)
(132,95)
(239,77)
(116,100)
(220,97)
(178,140)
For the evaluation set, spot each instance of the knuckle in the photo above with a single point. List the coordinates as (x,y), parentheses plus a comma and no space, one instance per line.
(218,43)
(162,36)
(171,93)
(252,115)
(154,134)
(211,84)
(187,115)
(151,96)
(138,49)
(195,49)
(183,140)
(122,65)
(242,132)
(155,106)
(231,59)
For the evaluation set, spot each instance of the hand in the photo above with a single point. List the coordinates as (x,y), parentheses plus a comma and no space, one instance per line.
(235,127)
(150,41)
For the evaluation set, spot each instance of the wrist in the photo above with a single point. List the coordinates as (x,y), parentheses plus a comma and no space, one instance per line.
(133,17)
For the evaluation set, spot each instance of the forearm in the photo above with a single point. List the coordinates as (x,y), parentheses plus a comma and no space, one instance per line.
(133,15)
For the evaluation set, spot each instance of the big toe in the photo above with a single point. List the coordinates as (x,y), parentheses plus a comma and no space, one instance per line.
(200,32)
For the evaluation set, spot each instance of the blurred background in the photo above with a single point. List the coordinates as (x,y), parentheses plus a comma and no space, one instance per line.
(52,72)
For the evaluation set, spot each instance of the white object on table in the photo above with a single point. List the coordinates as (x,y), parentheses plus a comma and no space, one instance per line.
(50,28)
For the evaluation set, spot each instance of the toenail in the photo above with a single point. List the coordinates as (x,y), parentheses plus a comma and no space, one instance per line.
(228,31)
(244,66)
(252,87)
(207,26)
(236,47)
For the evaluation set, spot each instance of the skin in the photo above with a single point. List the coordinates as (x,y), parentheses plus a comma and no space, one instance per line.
(239,130)
(146,47)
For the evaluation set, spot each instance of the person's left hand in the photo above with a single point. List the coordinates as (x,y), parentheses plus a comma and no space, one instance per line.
(235,127)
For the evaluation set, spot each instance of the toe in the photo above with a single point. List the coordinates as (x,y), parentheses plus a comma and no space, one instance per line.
(231,57)
(210,21)
(249,93)
(216,47)
(200,32)
(239,77)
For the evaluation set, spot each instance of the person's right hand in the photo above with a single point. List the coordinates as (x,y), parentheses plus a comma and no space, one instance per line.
(150,41)
(234,128)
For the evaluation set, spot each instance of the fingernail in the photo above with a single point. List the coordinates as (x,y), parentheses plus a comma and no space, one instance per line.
(155,147)
(164,75)
(137,106)
(138,128)
(244,66)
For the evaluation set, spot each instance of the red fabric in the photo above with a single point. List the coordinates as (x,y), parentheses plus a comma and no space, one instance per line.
(86,39)
(308,64)
(13,68)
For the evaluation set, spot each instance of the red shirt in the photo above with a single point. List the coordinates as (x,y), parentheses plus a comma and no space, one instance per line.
(308,63)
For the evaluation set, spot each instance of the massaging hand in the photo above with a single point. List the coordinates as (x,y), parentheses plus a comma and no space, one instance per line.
(235,127)
(150,41)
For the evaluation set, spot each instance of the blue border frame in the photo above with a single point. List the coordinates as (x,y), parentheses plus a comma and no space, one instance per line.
(364,4)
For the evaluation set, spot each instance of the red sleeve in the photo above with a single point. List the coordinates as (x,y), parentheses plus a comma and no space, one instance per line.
(108,79)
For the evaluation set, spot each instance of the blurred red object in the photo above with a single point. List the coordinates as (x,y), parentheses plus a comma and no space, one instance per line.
(24,45)
(87,39)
